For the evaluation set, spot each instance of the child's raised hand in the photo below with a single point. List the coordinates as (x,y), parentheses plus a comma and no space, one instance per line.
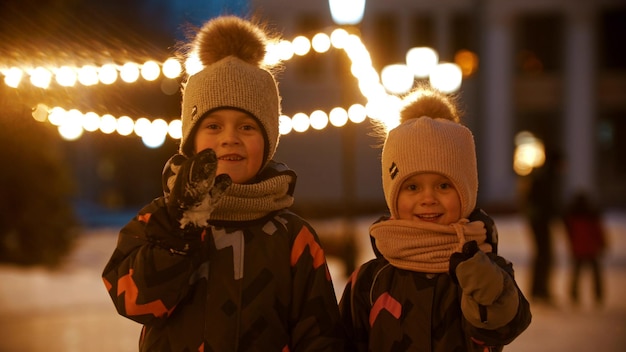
(192,189)
(490,298)
(477,275)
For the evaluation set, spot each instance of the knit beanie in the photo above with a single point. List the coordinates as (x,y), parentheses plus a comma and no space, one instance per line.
(424,144)
(231,50)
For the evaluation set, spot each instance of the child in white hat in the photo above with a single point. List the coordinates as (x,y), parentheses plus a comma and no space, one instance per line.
(219,263)
(436,284)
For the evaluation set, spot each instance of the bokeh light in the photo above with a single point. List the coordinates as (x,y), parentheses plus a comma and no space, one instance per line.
(529,153)
(446,77)
(421,61)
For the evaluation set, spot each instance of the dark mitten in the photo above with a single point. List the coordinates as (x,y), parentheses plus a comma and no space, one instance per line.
(489,296)
(192,189)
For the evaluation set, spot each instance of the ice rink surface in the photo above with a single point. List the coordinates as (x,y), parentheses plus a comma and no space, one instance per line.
(69,310)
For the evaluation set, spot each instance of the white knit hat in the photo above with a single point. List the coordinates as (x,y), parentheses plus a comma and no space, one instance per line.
(232,52)
(425,144)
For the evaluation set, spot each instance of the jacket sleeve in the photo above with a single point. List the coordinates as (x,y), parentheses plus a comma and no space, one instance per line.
(148,272)
(507,333)
(314,315)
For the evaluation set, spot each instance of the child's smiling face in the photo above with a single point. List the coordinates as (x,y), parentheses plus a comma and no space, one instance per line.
(238,141)
(429,197)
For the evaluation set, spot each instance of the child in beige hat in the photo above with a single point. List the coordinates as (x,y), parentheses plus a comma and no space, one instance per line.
(436,283)
(219,263)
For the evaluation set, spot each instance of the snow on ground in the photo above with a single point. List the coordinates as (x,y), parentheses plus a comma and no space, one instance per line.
(69,310)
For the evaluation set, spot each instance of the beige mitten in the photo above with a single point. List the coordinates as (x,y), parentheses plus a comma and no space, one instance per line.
(490,298)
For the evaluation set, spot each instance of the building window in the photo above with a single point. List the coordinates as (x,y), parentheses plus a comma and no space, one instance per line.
(540,43)
(612,31)
(611,156)
(422,31)
(464,35)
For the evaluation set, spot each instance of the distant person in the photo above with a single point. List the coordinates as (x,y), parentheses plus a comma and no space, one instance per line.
(220,263)
(587,238)
(435,284)
(542,209)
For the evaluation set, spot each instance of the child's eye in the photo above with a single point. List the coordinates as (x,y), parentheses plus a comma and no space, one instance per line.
(445,185)
(411,187)
(210,125)
(248,127)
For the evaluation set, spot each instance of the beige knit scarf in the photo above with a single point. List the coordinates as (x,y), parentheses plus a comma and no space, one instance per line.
(424,246)
(243,202)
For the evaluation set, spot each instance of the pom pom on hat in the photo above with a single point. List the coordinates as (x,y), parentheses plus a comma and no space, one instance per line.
(231,50)
(423,144)
(230,36)
(428,102)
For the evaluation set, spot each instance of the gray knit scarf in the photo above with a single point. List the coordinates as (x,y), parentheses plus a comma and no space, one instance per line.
(424,246)
(243,202)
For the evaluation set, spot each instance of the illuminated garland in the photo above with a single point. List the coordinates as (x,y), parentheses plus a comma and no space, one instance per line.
(380,105)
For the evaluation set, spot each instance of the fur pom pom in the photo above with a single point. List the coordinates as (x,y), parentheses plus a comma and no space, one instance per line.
(230,36)
(431,103)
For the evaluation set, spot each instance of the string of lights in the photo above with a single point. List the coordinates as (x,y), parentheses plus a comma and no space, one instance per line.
(382,93)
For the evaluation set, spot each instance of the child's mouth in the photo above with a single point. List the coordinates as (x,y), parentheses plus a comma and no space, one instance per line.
(428,217)
(231,157)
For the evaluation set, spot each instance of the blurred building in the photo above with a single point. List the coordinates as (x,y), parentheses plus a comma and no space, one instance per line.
(556,68)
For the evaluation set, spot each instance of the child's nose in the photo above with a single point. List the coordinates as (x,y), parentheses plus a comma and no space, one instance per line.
(230,136)
(428,197)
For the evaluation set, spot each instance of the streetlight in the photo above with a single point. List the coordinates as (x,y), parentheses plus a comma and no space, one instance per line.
(348,13)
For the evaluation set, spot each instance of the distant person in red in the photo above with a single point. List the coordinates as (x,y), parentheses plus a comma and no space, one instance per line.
(585,230)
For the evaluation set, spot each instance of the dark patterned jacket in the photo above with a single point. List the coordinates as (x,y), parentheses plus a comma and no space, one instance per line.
(385,308)
(259,285)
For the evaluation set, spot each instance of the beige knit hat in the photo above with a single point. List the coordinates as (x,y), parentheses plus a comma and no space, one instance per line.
(424,144)
(232,52)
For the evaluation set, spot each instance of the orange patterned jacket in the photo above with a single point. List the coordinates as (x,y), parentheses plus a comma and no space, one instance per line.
(253,285)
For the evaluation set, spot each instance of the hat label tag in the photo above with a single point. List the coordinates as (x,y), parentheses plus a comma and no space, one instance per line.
(393,170)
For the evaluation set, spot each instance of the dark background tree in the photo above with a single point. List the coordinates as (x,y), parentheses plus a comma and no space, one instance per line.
(37,223)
